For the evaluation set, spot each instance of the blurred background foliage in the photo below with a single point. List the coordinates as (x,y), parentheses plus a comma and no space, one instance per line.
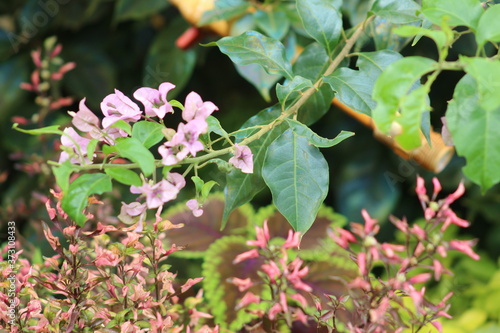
(126,44)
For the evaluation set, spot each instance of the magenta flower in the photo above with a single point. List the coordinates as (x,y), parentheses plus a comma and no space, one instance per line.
(161,192)
(195,108)
(155,100)
(242,159)
(116,107)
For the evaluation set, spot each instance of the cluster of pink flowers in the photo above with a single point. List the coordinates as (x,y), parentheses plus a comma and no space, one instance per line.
(406,265)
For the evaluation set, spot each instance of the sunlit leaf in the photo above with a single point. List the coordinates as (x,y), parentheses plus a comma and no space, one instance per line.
(148,133)
(124,176)
(273,23)
(489,26)
(464,12)
(396,11)
(135,151)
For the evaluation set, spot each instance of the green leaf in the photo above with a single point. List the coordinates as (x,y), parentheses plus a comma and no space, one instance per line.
(133,9)
(92,145)
(463,12)
(54,129)
(289,93)
(355,88)
(473,119)
(198,183)
(311,64)
(396,11)
(124,176)
(322,21)
(438,36)
(148,133)
(224,10)
(135,151)
(298,176)
(242,187)
(254,48)
(489,26)
(394,96)
(313,138)
(76,198)
(273,23)
(215,126)
(259,78)
(62,174)
(166,62)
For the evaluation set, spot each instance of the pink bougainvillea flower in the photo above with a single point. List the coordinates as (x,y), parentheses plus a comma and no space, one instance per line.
(242,159)
(161,192)
(116,107)
(86,121)
(79,145)
(155,100)
(195,207)
(134,212)
(183,142)
(195,108)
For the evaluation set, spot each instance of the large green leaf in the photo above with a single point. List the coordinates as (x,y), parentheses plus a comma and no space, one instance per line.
(124,176)
(62,174)
(297,174)
(76,198)
(463,12)
(148,133)
(396,11)
(315,139)
(165,62)
(400,107)
(489,26)
(259,78)
(133,9)
(242,187)
(273,23)
(135,151)
(322,20)
(254,48)
(355,88)
(473,119)
(224,10)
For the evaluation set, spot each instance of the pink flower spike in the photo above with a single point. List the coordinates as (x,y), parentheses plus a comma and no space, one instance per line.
(420,189)
(361,260)
(272,270)
(418,231)
(273,312)
(343,238)
(189,283)
(246,255)
(299,298)
(35,56)
(464,247)
(455,219)
(437,325)
(262,236)
(248,298)
(242,159)
(438,269)
(195,207)
(195,108)
(242,284)
(455,195)
(116,107)
(293,240)
(155,100)
(283,302)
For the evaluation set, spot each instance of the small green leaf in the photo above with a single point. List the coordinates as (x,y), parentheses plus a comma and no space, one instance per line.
(148,133)
(298,176)
(198,183)
(135,151)
(322,21)
(489,26)
(124,176)
(396,11)
(463,12)
(76,198)
(273,23)
(315,139)
(215,126)
(290,92)
(92,145)
(224,10)
(54,129)
(242,187)
(438,36)
(394,96)
(207,187)
(133,9)
(254,48)
(62,174)
(123,125)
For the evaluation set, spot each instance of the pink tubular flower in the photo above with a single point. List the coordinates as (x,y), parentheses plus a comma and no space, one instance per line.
(189,283)
(371,226)
(246,255)
(262,236)
(464,247)
(248,298)
(274,311)
(195,207)
(343,238)
(155,100)
(437,187)
(195,108)
(420,189)
(455,195)
(161,192)
(242,159)
(116,107)
(362,263)
(420,278)
(293,240)
(242,284)
(272,270)
(299,298)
